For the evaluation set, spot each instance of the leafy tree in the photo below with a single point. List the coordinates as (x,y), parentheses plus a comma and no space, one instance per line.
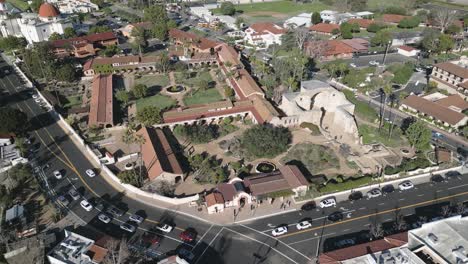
(430,40)
(335,31)
(403,73)
(129,177)
(381,38)
(140,90)
(346,30)
(374,27)
(265,141)
(410,22)
(419,136)
(65,73)
(453,29)
(227,8)
(110,51)
(197,133)
(99,3)
(99,29)
(122,96)
(12,43)
(149,116)
(160,31)
(21,145)
(35,4)
(446,43)
(288,41)
(164,62)
(157,15)
(355,28)
(69,32)
(203,84)
(55,36)
(171,24)
(239,21)
(316,18)
(19,174)
(229,92)
(12,120)
(140,36)
(396,10)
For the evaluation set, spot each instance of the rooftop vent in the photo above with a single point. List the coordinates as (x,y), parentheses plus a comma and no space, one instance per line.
(433,238)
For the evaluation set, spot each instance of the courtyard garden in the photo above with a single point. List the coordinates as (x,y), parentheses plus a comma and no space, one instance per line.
(372,135)
(161,101)
(315,158)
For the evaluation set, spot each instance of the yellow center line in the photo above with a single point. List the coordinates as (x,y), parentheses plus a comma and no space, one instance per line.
(375,214)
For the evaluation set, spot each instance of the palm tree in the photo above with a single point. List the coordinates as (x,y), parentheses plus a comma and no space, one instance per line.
(392,104)
(140,140)
(384,95)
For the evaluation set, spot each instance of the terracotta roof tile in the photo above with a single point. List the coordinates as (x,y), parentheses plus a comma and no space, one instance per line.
(363,23)
(324,28)
(101,108)
(453,69)
(406,48)
(453,101)
(97,253)
(213,199)
(200,42)
(391,18)
(435,110)
(265,27)
(286,178)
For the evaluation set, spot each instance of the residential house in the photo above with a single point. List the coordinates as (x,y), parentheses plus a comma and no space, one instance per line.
(286,178)
(234,193)
(85,46)
(408,51)
(370,252)
(214,203)
(445,112)
(325,28)
(328,50)
(127,29)
(301,20)
(362,22)
(364,14)
(76,248)
(159,157)
(120,64)
(335,17)
(264,34)
(393,19)
(101,105)
(452,76)
(6,139)
(191,42)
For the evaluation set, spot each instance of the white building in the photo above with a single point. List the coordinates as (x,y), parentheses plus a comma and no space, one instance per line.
(34,27)
(229,21)
(75,6)
(264,34)
(408,51)
(301,20)
(335,17)
(76,249)
(443,242)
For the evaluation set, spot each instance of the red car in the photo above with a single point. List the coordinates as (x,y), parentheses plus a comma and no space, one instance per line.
(150,239)
(188,236)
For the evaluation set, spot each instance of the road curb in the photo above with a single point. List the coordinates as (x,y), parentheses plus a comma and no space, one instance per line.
(265,216)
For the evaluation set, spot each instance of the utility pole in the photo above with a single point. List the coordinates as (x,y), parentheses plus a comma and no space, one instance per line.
(385,54)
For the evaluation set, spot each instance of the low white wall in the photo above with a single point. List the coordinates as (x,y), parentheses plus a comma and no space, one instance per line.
(413,172)
(127,157)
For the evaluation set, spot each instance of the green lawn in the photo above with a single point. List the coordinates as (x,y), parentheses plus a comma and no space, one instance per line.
(192,81)
(281,7)
(372,135)
(361,109)
(158,100)
(382,4)
(72,101)
(153,82)
(203,97)
(20,4)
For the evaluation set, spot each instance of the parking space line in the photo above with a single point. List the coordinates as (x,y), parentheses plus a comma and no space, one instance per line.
(200,240)
(457,186)
(265,244)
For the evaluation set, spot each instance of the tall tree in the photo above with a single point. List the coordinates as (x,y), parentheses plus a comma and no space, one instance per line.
(446,43)
(149,116)
(164,62)
(316,18)
(140,90)
(69,32)
(392,99)
(12,120)
(117,251)
(357,5)
(419,136)
(443,17)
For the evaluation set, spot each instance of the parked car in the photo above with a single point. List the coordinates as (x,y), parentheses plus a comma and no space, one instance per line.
(165,228)
(308,206)
(136,218)
(328,202)
(374,63)
(352,65)
(345,243)
(388,189)
(437,178)
(74,194)
(188,235)
(336,216)
(406,185)
(90,173)
(281,230)
(86,205)
(35,96)
(374,193)
(452,174)
(115,212)
(62,199)
(303,225)
(128,227)
(57,174)
(354,196)
(105,218)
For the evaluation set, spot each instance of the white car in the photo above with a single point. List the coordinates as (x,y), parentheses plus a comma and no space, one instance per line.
(352,65)
(104,218)
(35,96)
(374,193)
(165,228)
(86,205)
(37,100)
(136,218)
(279,231)
(303,225)
(373,63)
(128,227)
(329,202)
(57,174)
(406,185)
(90,173)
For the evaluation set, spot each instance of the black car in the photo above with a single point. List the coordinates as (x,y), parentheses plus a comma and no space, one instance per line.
(336,216)
(354,196)
(308,206)
(115,211)
(437,178)
(452,174)
(388,189)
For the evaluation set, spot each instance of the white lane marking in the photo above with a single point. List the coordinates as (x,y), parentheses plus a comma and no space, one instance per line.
(308,239)
(420,195)
(457,186)
(389,219)
(381,203)
(346,230)
(402,199)
(265,244)
(439,190)
(277,240)
(209,245)
(198,242)
(362,208)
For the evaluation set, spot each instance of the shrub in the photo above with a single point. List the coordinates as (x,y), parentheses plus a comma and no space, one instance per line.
(346,184)
(408,165)
(265,141)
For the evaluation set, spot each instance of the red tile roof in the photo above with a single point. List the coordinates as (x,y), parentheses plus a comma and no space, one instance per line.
(118,60)
(265,27)
(227,190)
(100,111)
(97,253)
(435,110)
(199,42)
(213,199)
(286,178)
(406,48)
(336,256)
(391,18)
(158,155)
(363,23)
(453,69)
(453,101)
(324,28)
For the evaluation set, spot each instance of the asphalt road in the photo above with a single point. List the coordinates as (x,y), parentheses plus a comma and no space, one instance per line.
(250,242)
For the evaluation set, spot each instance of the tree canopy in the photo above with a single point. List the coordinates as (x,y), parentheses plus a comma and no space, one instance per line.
(12,120)
(419,135)
(316,18)
(346,30)
(227,8)
(157,15)
(410,22)
(140,90)
(12,43)
(265,141)
(149,116)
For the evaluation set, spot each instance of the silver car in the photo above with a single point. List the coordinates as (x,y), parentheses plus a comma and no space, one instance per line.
(136,218)
(128,227)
